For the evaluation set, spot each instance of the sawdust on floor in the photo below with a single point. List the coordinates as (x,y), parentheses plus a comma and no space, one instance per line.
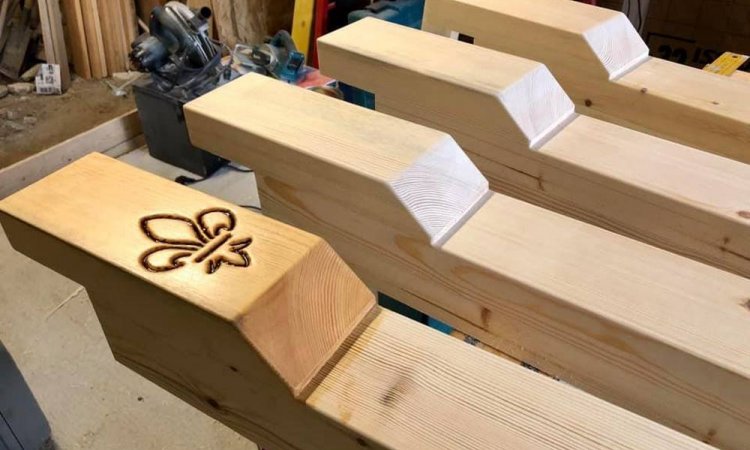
(85,105)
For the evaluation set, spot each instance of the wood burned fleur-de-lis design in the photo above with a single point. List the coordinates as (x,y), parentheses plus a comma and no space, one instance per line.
(182,240)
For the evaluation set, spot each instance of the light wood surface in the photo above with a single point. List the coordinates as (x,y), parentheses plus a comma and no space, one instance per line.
(76,37)
(4,14)
(519,128)
(114,137)
(93,28)
(229,342)
(646,329)
(604,66)
(262,331)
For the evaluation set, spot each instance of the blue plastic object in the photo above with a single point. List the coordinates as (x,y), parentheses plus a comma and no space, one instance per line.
(403,12)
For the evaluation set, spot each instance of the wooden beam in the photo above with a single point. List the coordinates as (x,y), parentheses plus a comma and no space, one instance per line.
(130,23)
(114,137)
(4,14)
(54,39)
(405,207)
(113,36)
(519,128)
(246,344)
(76,37)
(603,64)
(94,41)
(226,26)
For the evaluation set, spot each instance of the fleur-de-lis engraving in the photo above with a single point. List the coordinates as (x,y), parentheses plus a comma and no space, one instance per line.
(182,240)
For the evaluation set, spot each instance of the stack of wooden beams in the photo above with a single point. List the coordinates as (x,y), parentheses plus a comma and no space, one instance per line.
(609,252)
(99,34)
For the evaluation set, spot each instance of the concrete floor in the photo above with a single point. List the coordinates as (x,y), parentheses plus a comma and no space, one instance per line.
(49,327)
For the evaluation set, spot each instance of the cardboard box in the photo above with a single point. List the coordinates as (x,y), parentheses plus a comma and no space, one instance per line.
(696,32)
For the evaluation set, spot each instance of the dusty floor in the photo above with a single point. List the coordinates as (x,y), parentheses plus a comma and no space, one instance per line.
(57,117)
(49,327)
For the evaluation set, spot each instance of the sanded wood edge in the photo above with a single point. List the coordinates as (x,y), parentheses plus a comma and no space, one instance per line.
(518,98)
(324,304)
(201,358)
(119,135)
(603,40)
(430,187)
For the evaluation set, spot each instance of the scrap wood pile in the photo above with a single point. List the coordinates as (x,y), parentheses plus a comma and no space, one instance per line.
(98,34)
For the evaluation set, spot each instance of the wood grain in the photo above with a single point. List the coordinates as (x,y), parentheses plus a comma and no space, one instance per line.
(93,28)
(604,66)
(635,325)
(76,37)
(229,343)
(519,128)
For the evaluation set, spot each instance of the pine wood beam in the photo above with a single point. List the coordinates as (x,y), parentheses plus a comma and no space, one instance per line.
(603,64)
(76,37)
(290,351)
(519,128)
(641,327)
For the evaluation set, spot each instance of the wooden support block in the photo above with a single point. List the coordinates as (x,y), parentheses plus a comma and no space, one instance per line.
(646,329)
(519,128)
(54,39)
(603,64)
(291,350)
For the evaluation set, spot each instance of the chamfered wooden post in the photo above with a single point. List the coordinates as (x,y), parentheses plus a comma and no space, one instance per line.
(644,328)
(233,312)
(603,64)
(519,128)
(262,327)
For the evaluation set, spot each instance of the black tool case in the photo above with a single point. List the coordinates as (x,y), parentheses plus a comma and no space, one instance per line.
(166,134)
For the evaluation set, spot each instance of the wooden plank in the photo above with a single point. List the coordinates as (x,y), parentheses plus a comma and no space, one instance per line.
(519,128)
(113,36)
(94,41)
(145,7)
(198,4)
(113,137)
(604,66)
(54,39)
(234,343)
(4,15)
(302,22)
(129,21)
(633,324)
(76,37)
